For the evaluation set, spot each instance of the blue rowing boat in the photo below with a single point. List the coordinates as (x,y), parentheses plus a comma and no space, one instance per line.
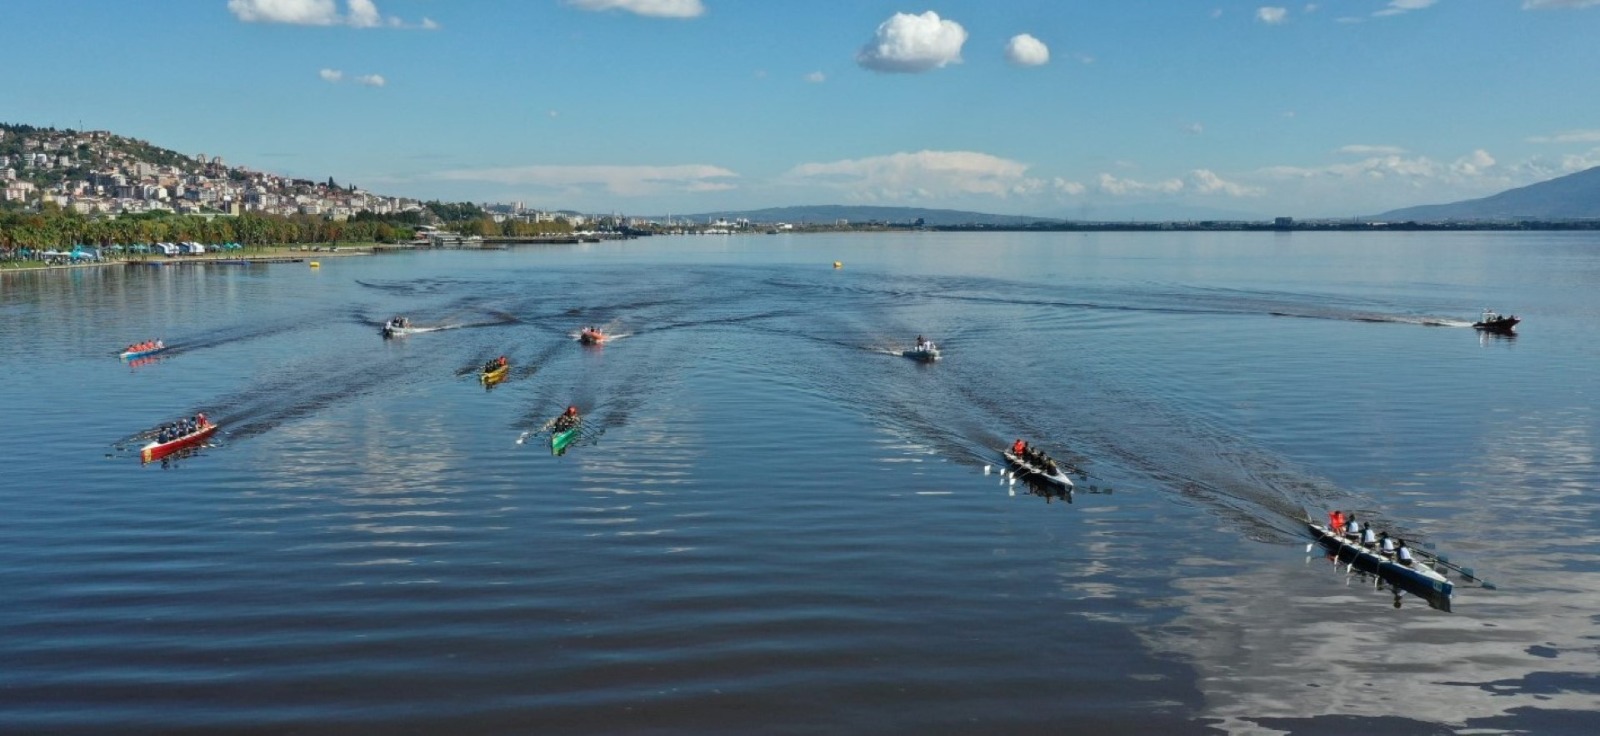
(1418,577)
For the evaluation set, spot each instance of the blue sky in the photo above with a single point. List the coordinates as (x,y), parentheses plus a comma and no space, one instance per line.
(1068,108)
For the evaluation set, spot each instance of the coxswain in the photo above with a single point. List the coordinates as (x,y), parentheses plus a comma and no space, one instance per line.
(1019,447)
(502,361)
(1402,553)
(200,418)
(1336,521)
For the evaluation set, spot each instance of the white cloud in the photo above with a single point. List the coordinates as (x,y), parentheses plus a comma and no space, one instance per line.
(1396,7)
(816,77)
(1025,50)
(1580,161)
(1392,166)
(335,76)
(295,12)
(363,14)
(1194,128)
(1272,16)
(1366,150)
(1068,187)
(1112,185)
(621,181)
(1472,164)
(913,43)
(1570,136)
(1205,181)
(920,175)
(651,8)
(1554,4)
(1199,181)
(1311,8)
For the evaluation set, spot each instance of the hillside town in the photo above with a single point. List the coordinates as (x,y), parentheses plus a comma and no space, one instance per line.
(96,172)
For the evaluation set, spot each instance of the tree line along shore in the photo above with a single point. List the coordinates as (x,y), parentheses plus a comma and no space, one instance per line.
(26,235)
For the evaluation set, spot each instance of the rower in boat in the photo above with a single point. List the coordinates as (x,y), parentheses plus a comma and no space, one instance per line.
(1402,554)
(567,420)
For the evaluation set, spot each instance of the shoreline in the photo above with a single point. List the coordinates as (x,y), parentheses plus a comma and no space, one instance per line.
(260,254)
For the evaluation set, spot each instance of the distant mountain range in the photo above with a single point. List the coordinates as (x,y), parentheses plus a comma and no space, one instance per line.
(1571,197)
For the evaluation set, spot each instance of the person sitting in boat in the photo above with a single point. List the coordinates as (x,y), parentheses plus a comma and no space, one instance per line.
(922,343)
(1336,521)
(1019,447)
(1385,544)
(1352,528)
(1368,537)
(1402,553)
(501,362)
(567,420)
(200,418)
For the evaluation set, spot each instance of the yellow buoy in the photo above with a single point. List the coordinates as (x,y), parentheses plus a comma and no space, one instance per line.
(314,264)
(838,264)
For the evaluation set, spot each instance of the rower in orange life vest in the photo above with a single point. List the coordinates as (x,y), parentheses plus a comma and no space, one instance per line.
(1336,521)
(1019,447)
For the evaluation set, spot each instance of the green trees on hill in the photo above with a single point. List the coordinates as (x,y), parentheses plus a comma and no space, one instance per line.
(52,227)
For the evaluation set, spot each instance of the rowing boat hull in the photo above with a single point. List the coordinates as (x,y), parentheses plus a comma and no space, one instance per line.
(1057,479)
(560,440)
(1418,576)
(157,450)
(495,376)
(135,355)
(922,356)
(591,338)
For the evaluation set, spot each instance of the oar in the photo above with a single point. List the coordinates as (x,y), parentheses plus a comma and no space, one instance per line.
(1466,572)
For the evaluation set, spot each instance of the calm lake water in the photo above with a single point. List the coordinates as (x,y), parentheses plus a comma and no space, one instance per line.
(774,523)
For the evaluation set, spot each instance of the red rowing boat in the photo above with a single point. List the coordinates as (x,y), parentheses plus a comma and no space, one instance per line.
(157,450)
